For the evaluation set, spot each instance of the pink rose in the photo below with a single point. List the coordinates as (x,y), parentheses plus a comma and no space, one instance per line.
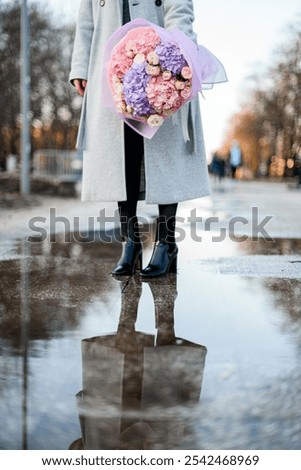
(179,85)
(186,93)
(166,75)
(186,73)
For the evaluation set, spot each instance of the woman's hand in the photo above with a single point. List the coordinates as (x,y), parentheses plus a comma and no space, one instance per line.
(80,85)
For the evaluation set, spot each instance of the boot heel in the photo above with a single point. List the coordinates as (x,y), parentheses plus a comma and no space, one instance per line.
(173,265)
(161,261)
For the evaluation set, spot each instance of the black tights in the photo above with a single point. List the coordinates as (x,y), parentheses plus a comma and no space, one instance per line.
(134,150)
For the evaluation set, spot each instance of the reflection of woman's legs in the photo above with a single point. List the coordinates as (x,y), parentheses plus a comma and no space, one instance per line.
(164,291)
(134,149)
(131,290)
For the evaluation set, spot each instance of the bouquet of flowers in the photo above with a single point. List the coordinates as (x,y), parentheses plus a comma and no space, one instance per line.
(150,73)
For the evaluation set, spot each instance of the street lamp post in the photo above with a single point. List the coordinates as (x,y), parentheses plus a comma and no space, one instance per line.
(25,99)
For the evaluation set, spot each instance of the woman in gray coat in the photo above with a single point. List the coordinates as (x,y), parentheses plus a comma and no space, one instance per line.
(172,163)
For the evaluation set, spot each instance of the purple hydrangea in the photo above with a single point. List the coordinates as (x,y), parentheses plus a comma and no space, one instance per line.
(134,84)
(170,57)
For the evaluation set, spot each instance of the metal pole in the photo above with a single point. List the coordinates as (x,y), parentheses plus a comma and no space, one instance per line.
(25,99)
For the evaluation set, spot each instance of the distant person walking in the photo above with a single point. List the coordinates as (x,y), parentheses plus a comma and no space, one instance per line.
(298,168)
(235,158)
(217,166)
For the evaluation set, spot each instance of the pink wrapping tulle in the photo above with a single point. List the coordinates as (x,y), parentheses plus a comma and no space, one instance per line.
(207,69)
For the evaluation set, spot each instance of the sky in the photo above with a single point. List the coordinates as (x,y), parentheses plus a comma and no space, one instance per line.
(243,34)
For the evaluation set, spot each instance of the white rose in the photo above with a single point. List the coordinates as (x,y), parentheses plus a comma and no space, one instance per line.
(139,58)
(152,58)
(155,120)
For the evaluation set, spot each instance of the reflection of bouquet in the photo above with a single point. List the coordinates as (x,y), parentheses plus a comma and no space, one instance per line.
(150,73)
(149,79)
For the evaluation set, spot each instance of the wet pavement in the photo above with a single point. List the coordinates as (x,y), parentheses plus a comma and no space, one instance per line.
(205,359)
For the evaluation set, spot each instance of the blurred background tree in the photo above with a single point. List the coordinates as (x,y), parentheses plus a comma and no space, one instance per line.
(268,124)
(54,106)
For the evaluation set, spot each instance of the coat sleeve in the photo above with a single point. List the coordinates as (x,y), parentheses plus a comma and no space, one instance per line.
(82,42)
(179,14)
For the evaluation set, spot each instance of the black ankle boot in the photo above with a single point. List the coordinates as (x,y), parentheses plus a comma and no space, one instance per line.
(163,260)
(164,257)
(131,257)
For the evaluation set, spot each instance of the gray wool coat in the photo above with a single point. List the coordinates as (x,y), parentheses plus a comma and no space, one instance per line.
(175,168)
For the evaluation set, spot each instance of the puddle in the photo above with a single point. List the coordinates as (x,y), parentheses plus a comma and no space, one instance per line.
(135,387)
(192,361)
(261,246)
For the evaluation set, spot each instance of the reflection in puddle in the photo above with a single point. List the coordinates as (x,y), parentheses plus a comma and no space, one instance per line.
(141,391)
(286,296)
(261,246)
(60,278)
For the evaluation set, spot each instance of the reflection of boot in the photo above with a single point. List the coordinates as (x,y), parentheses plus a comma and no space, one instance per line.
(131,257)
(164,291)
(131,290)
(164,256)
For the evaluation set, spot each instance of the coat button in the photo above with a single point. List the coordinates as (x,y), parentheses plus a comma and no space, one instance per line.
(158,3)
